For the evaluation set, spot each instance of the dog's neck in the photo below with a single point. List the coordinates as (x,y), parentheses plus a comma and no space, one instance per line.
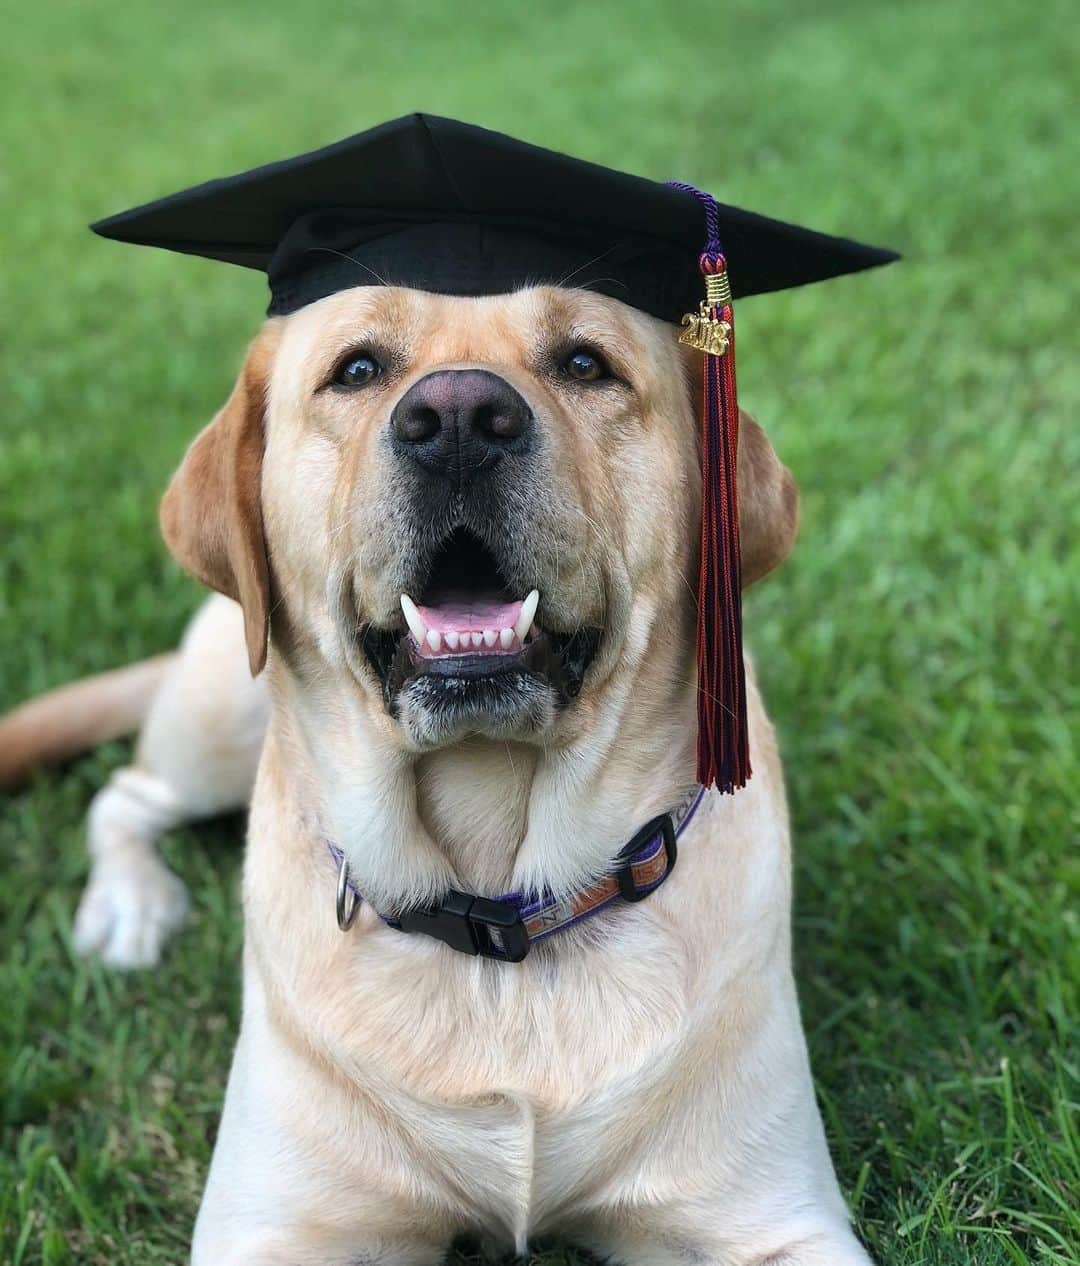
(480,815)
(473,798)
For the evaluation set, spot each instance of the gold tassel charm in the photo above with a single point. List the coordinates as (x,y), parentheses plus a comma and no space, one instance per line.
(705,332)
(704,328)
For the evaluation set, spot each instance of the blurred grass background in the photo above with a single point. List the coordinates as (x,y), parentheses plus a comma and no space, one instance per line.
(918,650)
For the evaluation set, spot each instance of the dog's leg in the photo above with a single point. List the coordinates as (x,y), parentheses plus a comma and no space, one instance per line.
(311,1164)
(829,1243)
(829,1248)
(273,1248)
(834,1244)
(132,901)
(196,756)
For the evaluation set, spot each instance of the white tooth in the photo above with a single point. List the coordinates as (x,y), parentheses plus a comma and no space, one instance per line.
(433,639)
(491,636)
(528,610)
(506,638)
(450,637)
(413,619)
(477,639)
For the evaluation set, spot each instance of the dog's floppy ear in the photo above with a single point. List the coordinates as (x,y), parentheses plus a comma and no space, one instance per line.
(768,503)
(211,514)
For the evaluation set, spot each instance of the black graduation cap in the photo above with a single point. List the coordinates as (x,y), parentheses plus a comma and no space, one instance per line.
(437,205)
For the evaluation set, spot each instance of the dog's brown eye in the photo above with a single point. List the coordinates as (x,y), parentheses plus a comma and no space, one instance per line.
(585,366)
(357,371)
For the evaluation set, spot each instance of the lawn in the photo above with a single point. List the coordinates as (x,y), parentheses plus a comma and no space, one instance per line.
(918,651)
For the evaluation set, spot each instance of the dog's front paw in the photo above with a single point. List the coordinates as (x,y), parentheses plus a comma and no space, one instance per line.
(132,904)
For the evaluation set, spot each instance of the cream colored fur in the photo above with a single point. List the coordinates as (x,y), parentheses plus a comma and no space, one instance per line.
(640,1084)
(196,756)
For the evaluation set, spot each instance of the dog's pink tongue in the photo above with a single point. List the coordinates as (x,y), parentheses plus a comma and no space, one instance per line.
(470,616)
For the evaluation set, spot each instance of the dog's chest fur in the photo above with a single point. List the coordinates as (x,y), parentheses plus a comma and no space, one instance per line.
(383,1081)
(523,1089)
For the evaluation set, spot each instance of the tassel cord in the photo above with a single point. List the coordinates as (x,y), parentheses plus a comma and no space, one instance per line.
(723,757)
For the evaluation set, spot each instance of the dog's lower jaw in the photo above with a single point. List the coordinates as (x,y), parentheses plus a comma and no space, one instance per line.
(436,711)
(504,697)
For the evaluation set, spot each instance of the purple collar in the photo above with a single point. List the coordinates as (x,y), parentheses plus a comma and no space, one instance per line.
(506,927)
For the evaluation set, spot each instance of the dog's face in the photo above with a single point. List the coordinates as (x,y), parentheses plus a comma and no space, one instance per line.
(478,513)
(432,463)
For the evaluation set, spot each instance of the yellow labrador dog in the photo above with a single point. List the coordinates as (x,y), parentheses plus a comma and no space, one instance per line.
(639,1083)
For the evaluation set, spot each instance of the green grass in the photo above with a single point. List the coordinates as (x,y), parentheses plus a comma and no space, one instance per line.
(918,650)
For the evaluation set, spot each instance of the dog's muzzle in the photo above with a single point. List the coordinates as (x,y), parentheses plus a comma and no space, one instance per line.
(473,658)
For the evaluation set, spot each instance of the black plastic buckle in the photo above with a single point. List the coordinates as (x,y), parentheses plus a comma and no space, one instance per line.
(625,874)
(464,922)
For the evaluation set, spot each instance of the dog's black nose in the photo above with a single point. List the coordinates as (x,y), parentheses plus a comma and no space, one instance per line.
(457,423)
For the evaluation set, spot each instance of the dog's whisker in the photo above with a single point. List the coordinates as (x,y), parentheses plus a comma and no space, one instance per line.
(605,281)
(693,681)
(567,277)
(329,250)
(690,589)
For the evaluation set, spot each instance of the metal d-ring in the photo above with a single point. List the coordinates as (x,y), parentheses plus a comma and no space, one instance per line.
(347,900)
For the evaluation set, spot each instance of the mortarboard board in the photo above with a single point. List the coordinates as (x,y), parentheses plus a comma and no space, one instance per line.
(437,205)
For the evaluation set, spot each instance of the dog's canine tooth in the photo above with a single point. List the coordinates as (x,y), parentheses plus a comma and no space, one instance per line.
(506,638)
(413,619)
(491,636)
(525,618)
(434,641)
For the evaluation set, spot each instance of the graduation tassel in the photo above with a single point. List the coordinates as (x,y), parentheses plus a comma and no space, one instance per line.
(723,753)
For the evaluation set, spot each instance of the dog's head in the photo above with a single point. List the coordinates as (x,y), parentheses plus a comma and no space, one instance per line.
(478,511)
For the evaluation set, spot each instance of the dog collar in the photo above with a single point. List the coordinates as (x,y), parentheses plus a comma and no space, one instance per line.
(507,927)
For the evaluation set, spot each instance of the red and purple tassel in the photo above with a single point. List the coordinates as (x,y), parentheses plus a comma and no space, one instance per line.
(723,750)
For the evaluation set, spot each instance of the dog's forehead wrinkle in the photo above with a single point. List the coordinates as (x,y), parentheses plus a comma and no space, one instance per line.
(505,329)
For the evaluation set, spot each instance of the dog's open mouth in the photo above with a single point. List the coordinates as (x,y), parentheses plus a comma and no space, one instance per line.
(466,632)
(465,609)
